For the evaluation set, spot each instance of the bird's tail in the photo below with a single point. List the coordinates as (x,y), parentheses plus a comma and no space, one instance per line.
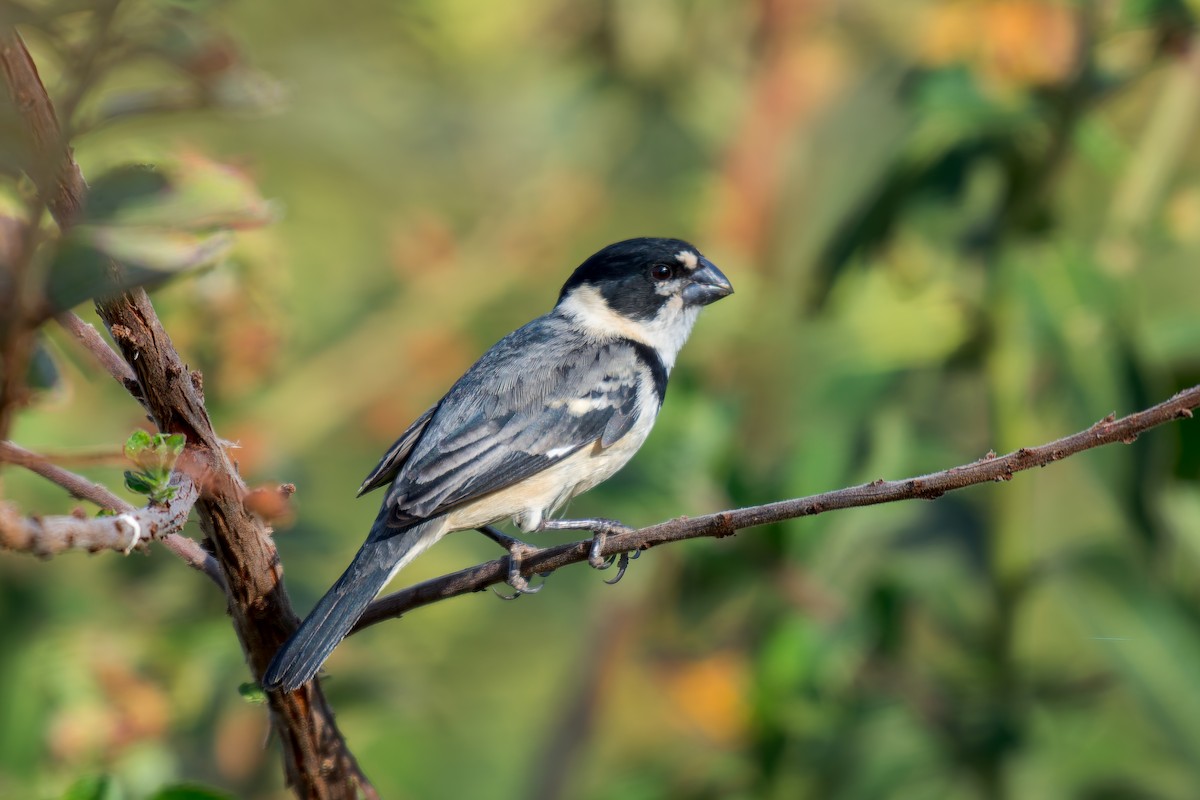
(385,552)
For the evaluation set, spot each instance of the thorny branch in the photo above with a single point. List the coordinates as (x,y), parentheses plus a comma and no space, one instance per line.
(726,523)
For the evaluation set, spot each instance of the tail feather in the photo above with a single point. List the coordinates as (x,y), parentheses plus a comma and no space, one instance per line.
(331,619)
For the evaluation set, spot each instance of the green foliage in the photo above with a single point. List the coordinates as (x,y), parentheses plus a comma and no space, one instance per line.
(155,221)
(98,787)
(252,693)
(43,371)
(102,787)
(189,792)
(966,228)
(155,455)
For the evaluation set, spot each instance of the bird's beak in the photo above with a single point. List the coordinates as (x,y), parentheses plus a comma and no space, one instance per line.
(707,284)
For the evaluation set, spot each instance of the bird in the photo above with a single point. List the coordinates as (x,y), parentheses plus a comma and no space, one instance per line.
(548,412)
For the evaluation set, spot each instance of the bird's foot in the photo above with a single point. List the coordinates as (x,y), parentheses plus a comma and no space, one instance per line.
(519,583)
(517,550)
(601,529)
(622,563)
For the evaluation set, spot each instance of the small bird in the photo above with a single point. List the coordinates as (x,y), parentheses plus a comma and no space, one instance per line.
(551,410)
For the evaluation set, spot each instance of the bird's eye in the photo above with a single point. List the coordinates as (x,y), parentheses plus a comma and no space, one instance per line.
(661,272)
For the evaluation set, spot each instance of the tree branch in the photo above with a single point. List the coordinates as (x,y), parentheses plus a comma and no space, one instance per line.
(727,523)
(129,529)
(50,162)
(107,357)
(47,536)
(78,486)
(317,761)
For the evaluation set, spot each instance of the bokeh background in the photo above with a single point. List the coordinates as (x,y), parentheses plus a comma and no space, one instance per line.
(953,226)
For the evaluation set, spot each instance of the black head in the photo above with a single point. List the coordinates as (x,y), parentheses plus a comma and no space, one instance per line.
(637,278)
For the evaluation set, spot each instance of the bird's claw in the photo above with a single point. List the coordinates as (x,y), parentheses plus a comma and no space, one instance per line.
(519,586)
(518,581)
(610,559)
(598,561)
(517,550)
(622,565)
(600,535)
(504,596)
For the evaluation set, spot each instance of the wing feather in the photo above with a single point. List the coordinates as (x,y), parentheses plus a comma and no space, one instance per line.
(534,399)
(385,471)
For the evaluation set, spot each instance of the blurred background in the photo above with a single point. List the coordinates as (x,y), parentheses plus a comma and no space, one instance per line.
(953,226)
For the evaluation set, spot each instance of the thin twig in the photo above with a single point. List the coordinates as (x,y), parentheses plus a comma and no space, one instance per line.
(727,523)
(128,529)
(195,556)
(108,358)
(92,457)
(78,486)
(47,536)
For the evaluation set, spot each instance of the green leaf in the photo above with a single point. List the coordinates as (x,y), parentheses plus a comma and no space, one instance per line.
(1156,13)
(82,267)
(140,482)
(954,108)
(93,787)
(155,454)
(138,442)
(156,253)
(78,272)
(190,193)
(252,693)
(42,374)
(166,450)
(154,221)
(189,791)
(176,442)
(117,189)
(163,492)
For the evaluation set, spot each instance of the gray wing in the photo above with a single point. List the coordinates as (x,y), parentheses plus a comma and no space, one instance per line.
(385,471)
(536,397)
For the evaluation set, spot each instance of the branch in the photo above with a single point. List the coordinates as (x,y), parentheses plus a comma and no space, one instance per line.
(94,457)
(78,486)
(48,160)
(47,536)
(317,761)
(727,523)
(107,357)
(51,164)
